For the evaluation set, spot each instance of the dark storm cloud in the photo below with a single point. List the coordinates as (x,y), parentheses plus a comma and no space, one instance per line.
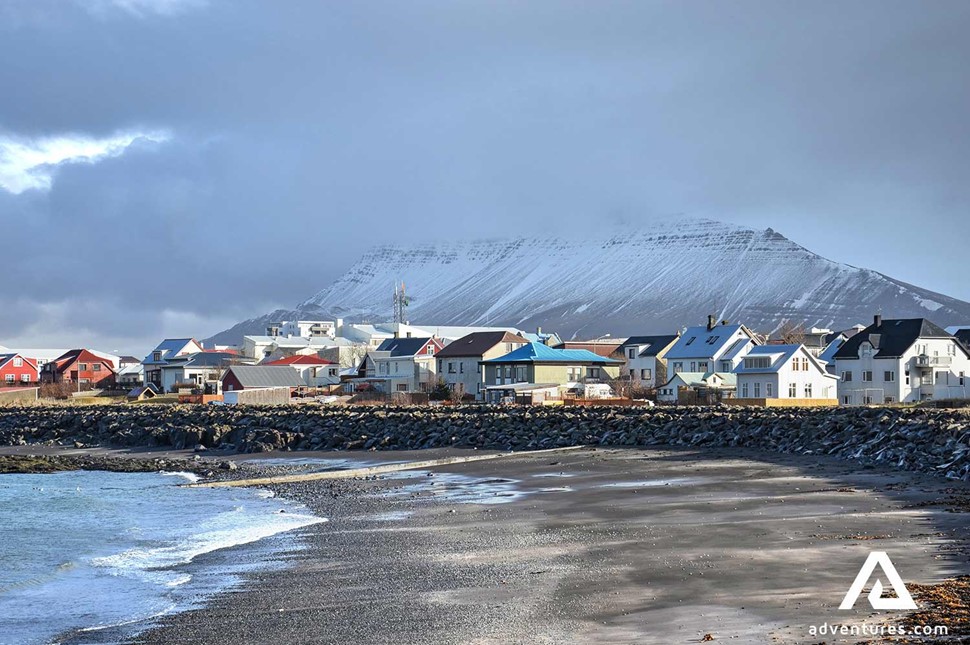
(301,133)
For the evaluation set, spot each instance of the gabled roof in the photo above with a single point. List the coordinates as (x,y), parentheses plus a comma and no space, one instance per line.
(256,376)
(539,353)
(477,343)
(402,346)
(169,347)
(654,344)
(892,337)
(701,342)
(81,356)
(779,355)
(6,358)
(300,359)
(201,359)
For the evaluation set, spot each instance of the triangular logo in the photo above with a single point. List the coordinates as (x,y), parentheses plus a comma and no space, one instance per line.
(902,600)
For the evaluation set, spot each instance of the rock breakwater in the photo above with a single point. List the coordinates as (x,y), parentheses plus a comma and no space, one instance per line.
(927,440)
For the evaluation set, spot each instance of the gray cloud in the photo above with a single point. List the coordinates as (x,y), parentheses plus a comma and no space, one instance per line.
(304,132)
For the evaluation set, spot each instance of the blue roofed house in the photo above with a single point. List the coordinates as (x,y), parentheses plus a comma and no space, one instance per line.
(536,372)
(787,372)
(167,349)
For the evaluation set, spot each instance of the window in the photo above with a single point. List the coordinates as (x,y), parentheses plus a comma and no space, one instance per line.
(508,371)
(846,377)
(430,350)
(726,366)
(451,368)
(96,367)
(792,390)
(402,387)
(951,349)
(573,373)
(25,378)
(633,352)
(865,349)
(889,377)
(520,375)
(593,372)
(83,367)
(867,376)
(768,389)
(804,364)
(702,366)
(395,368)
(646,375)
(461,368)
(692,339)
(9,378)
(890,399)
(757,390)
(678,367)
(744,390)
(18,362)
(808,390)
(962,378)
(632,373)
(157,356)
(756,363)
(693,366)
(907,377)
(228,387)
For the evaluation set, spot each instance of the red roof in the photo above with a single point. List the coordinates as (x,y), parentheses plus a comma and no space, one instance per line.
(82,356)
(235,352)
(300,360)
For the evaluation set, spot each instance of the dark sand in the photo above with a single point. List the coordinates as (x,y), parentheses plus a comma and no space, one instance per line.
(623,546)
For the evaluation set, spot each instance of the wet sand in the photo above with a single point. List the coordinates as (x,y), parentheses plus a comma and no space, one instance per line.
(647,546)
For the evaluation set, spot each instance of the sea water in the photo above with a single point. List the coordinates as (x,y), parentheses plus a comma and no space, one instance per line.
(84,552)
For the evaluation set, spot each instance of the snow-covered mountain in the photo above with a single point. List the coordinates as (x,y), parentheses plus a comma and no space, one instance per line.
(656,280)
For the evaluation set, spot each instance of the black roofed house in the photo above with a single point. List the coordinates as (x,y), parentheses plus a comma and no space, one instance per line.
(459,363)
(901,360)
(645,359)
(404,364)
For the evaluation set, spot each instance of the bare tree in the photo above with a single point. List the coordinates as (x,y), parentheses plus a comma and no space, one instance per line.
(791,333)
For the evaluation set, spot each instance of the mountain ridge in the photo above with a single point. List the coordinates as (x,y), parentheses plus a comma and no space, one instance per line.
(645,281)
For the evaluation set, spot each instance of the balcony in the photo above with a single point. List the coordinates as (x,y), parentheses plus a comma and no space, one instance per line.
(932,361)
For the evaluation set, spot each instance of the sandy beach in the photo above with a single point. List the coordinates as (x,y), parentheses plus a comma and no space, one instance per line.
(617,545)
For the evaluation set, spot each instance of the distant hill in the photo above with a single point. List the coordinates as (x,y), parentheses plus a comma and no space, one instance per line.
(652,281)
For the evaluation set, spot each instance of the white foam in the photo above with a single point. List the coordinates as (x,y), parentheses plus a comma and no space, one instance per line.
(219,537)
(192,477)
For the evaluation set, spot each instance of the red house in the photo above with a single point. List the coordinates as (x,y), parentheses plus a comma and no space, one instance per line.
(79,366)
(17,370)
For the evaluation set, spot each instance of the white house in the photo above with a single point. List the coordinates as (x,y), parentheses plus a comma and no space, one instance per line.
(709,386)
(201,370)
(901,360)
(784,372)
(404,364)
(304,328)
(711,348)
(315,371)
(645,359)
(459,363)
(167,349)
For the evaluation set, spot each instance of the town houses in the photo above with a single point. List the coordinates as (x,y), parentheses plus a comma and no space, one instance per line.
(889,362)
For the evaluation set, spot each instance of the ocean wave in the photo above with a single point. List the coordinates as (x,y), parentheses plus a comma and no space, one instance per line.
(233,532)
(192,477)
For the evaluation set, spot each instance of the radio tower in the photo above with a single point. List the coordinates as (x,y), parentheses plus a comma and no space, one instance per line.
(401,302)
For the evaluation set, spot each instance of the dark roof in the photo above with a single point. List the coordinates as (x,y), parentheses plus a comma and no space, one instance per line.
(479,342)
(891,337)
(202,359)
(963,335)
(402,346)
(256,376)
(656,343)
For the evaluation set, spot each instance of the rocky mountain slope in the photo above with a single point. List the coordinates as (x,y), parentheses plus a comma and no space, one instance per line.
(657,280)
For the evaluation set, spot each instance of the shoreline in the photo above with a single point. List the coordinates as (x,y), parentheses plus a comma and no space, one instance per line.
(401,560)
(399,530)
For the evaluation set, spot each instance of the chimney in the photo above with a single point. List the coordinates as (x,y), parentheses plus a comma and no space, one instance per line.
(538,331)
(877,320)
(710,323)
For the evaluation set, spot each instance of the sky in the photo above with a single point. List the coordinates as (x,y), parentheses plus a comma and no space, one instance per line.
(170,167)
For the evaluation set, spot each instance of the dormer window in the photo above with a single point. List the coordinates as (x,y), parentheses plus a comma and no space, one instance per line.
(156,356)
(692,339)
(865,349)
